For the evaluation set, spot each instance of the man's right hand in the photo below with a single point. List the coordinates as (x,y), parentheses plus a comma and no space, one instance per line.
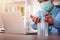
(35,19)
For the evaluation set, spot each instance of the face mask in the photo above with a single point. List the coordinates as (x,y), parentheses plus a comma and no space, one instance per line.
(46,6)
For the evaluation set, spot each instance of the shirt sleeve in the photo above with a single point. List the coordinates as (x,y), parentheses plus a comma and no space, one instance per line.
(57,21)
(33,25)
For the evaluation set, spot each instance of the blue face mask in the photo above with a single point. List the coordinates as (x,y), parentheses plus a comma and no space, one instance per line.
(46,6)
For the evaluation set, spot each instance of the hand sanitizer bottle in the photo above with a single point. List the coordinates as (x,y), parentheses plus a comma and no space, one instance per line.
(42,27)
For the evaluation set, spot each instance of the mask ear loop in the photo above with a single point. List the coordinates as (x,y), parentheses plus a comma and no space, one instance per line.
(51,3)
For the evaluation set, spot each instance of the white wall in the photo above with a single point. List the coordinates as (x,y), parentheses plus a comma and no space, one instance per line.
(12,20)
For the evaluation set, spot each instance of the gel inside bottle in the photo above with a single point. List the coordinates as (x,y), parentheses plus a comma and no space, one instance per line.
(42,27)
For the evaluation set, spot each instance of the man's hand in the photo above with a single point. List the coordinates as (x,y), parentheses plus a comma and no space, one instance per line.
(48,18)
(35,19)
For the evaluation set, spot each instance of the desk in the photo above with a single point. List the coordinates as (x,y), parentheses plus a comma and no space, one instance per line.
(4,36)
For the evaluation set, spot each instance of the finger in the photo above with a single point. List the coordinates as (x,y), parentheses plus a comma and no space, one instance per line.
(38,20)
(31,16)
(49,16)
(45,19)
(34,19)
(46,14)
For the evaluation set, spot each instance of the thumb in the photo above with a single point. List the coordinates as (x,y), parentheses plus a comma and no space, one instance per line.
(45,19)
(31,16)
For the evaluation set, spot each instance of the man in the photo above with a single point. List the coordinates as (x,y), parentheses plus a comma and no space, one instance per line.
(52,16)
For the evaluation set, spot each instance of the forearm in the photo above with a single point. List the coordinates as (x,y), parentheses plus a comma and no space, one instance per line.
(56,24)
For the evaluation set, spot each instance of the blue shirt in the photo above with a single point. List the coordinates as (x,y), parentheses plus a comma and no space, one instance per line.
(55,13)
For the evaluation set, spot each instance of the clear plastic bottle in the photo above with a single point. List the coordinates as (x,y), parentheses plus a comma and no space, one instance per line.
(42,27)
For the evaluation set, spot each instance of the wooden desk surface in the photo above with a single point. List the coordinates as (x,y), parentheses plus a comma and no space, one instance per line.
(4,36)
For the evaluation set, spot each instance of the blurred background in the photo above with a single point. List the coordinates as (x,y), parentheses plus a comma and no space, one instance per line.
(12,14)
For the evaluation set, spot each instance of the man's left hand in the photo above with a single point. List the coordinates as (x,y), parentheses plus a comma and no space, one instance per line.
(48,18)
